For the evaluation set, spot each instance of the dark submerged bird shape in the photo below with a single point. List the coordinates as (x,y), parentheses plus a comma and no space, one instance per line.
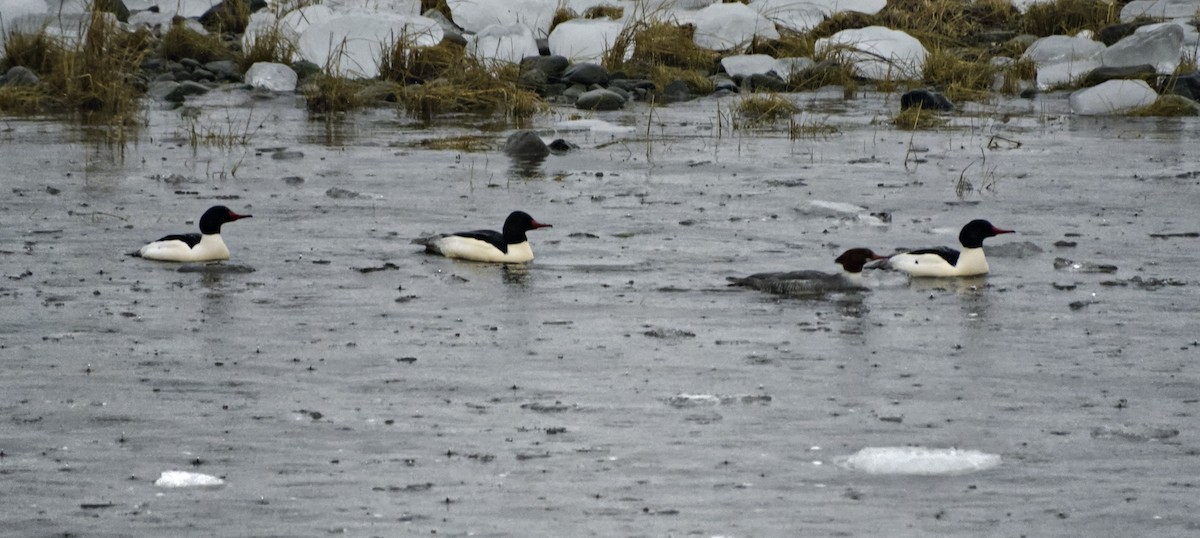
(813,282)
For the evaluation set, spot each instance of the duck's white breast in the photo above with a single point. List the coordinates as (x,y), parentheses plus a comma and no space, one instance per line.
(210,248)
(466,248)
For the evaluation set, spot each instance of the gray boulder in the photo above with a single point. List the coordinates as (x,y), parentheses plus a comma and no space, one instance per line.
(586,74)
(600,99)
(18,76)
(525,144)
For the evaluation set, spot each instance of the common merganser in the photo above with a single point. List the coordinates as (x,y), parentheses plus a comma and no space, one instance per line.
(509,246)
(813,282)
(202,247)
(949,262)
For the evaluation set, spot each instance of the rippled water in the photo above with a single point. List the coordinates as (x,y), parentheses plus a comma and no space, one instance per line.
(615,386)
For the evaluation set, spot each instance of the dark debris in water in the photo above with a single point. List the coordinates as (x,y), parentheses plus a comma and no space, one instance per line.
(1063,264)
(1189,235)
(1139,433)
(389,266)
(217,269)
(660,332)
(540,407)
(1150,283)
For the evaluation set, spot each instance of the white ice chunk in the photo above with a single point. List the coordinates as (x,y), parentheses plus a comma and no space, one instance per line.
(508,43)
(731,26)
(1161,47)
(593,125)
(1191,36)
(263,23)
(798,15)
(300,19)
(351,44)
(1112,97)
(879,53)
(744,65)
(475,15)
(1062,59)
(188,9)
(786,67)
(585,40)
(1181,10)
(184,479)
(271,76)
(395,7)
(917,460)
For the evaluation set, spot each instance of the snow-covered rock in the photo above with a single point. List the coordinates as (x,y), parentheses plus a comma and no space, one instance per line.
(909,460)
(271,76)
(879,53)
(804,15)
(1181,10)
(585,40)
(731,27)
(1062,59)
(395,7)
(1112,97)
(1161,47)
(742,65)
(184,479)
(508,43)
(786,67)
(475,15)
(351,44)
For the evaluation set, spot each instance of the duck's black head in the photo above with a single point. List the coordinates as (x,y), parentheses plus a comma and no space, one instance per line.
(517,223)
(973,234)
(211,220)
(854,259)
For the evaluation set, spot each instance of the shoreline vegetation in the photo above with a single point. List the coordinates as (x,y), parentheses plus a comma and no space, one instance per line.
(103,75)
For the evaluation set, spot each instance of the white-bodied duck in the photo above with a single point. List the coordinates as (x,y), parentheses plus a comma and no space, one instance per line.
(202,247)
(949,262)
(507,246)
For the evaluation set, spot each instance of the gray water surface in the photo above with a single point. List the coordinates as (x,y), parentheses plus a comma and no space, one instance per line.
(437,397)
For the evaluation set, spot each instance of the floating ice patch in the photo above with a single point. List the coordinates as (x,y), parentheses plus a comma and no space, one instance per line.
(595,126)
(184,479)
(917,460)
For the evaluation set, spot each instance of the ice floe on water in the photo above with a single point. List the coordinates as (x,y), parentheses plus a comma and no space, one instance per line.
(271,76)
(908,460)
(593,125)
(706,400)
(184,479)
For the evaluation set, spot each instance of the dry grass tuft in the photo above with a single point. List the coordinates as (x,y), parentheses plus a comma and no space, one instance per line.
(917,119)
(270,46)
(93,76)
(182,42)
(1069,17)
(464,143)
(443,79)
(1169,106)
(604,12)
(762,108)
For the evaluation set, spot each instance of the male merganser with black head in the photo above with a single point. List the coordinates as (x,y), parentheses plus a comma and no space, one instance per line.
(949,262)
(813,282)
(509,246)
(202,247)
